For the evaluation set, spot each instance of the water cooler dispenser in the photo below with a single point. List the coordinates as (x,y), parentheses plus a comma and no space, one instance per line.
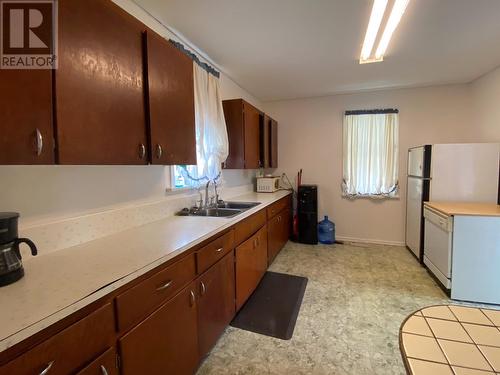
(307,212)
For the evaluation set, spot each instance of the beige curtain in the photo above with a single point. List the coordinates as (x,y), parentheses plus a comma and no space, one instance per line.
(370,150)
(212,145)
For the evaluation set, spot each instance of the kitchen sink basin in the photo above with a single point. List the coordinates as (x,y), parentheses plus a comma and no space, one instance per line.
(224,209)
(239,205)
(216,212)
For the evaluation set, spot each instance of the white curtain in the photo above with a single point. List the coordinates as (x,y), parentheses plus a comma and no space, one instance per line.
(371,155)
(212,146)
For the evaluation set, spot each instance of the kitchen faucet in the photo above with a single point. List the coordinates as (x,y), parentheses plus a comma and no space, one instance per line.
(216,193)
(206,192)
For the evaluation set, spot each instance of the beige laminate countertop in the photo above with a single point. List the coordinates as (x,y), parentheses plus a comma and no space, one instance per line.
(465,209)
(59,283)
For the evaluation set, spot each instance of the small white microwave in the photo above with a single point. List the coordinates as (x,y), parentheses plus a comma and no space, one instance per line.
(268,184)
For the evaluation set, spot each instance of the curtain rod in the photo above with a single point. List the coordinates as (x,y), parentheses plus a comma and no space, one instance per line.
(195,58)
(371,111)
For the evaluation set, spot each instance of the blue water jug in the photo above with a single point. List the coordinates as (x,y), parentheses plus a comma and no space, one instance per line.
(326,231)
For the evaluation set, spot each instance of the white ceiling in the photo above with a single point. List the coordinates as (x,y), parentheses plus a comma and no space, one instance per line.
(279,49)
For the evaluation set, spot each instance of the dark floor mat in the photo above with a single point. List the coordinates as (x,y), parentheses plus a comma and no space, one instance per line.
(273,308)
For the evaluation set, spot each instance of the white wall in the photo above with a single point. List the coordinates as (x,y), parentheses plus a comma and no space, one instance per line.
(43,192)
(486,98)
(310,137)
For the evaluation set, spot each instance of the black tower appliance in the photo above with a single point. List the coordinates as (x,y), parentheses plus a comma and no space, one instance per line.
(307,211)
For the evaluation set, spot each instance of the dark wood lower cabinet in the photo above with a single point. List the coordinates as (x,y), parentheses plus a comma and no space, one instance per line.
(105,364)
(215,303)
(279,232)
(167,320)
(167,341)
(251,264)
(69,350)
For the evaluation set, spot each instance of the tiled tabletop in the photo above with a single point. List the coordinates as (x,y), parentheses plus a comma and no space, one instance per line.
(451,340)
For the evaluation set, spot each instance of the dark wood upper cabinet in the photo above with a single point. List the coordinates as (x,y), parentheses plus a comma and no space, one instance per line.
(243,128)
(169,78)
(166,342)
(26,133)
(264,140)
(99,91)
(268,142)
(216,303)
(273,144)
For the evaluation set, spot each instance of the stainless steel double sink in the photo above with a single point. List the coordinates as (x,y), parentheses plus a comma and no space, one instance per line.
(224,209)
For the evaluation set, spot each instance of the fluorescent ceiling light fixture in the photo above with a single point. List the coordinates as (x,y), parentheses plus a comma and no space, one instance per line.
(397,12)
(378,11)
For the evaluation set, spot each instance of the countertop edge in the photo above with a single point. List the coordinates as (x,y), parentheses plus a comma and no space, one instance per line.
(458,212)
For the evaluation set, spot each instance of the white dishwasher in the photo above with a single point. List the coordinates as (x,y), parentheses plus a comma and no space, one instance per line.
(438,245)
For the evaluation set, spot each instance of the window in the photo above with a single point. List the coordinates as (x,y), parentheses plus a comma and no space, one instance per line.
(371,153)
(180,176)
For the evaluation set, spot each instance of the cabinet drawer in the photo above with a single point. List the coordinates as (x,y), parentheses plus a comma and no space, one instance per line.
(105,364)
(277,207)
(251,264)
(145,297)
(249,226)
(70,349)
(214,251)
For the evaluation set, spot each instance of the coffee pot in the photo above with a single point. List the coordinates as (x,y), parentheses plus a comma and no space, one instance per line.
(11,266)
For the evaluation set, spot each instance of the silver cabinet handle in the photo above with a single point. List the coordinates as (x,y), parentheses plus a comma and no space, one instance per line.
(219,250)
(164,286)
(192,298)
(203,288)
(47,368)
(103,370)
(39,142)
(159,151)
(142,151)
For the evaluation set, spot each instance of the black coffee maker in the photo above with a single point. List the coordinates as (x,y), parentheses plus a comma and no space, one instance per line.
(11,267)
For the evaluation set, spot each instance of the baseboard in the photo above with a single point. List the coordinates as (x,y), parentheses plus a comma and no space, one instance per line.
(369,240)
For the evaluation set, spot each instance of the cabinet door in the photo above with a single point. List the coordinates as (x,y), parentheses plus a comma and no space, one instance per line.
(265,133)
(99,85)
(273,144)
(105,364)
(275,237)
(167,341)
(251,117)
(278,234)
(26,134)
(216,302)
(171,102)
(233,114)
(251,264)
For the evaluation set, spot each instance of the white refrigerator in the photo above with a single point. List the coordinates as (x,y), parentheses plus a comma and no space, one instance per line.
(448,172)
